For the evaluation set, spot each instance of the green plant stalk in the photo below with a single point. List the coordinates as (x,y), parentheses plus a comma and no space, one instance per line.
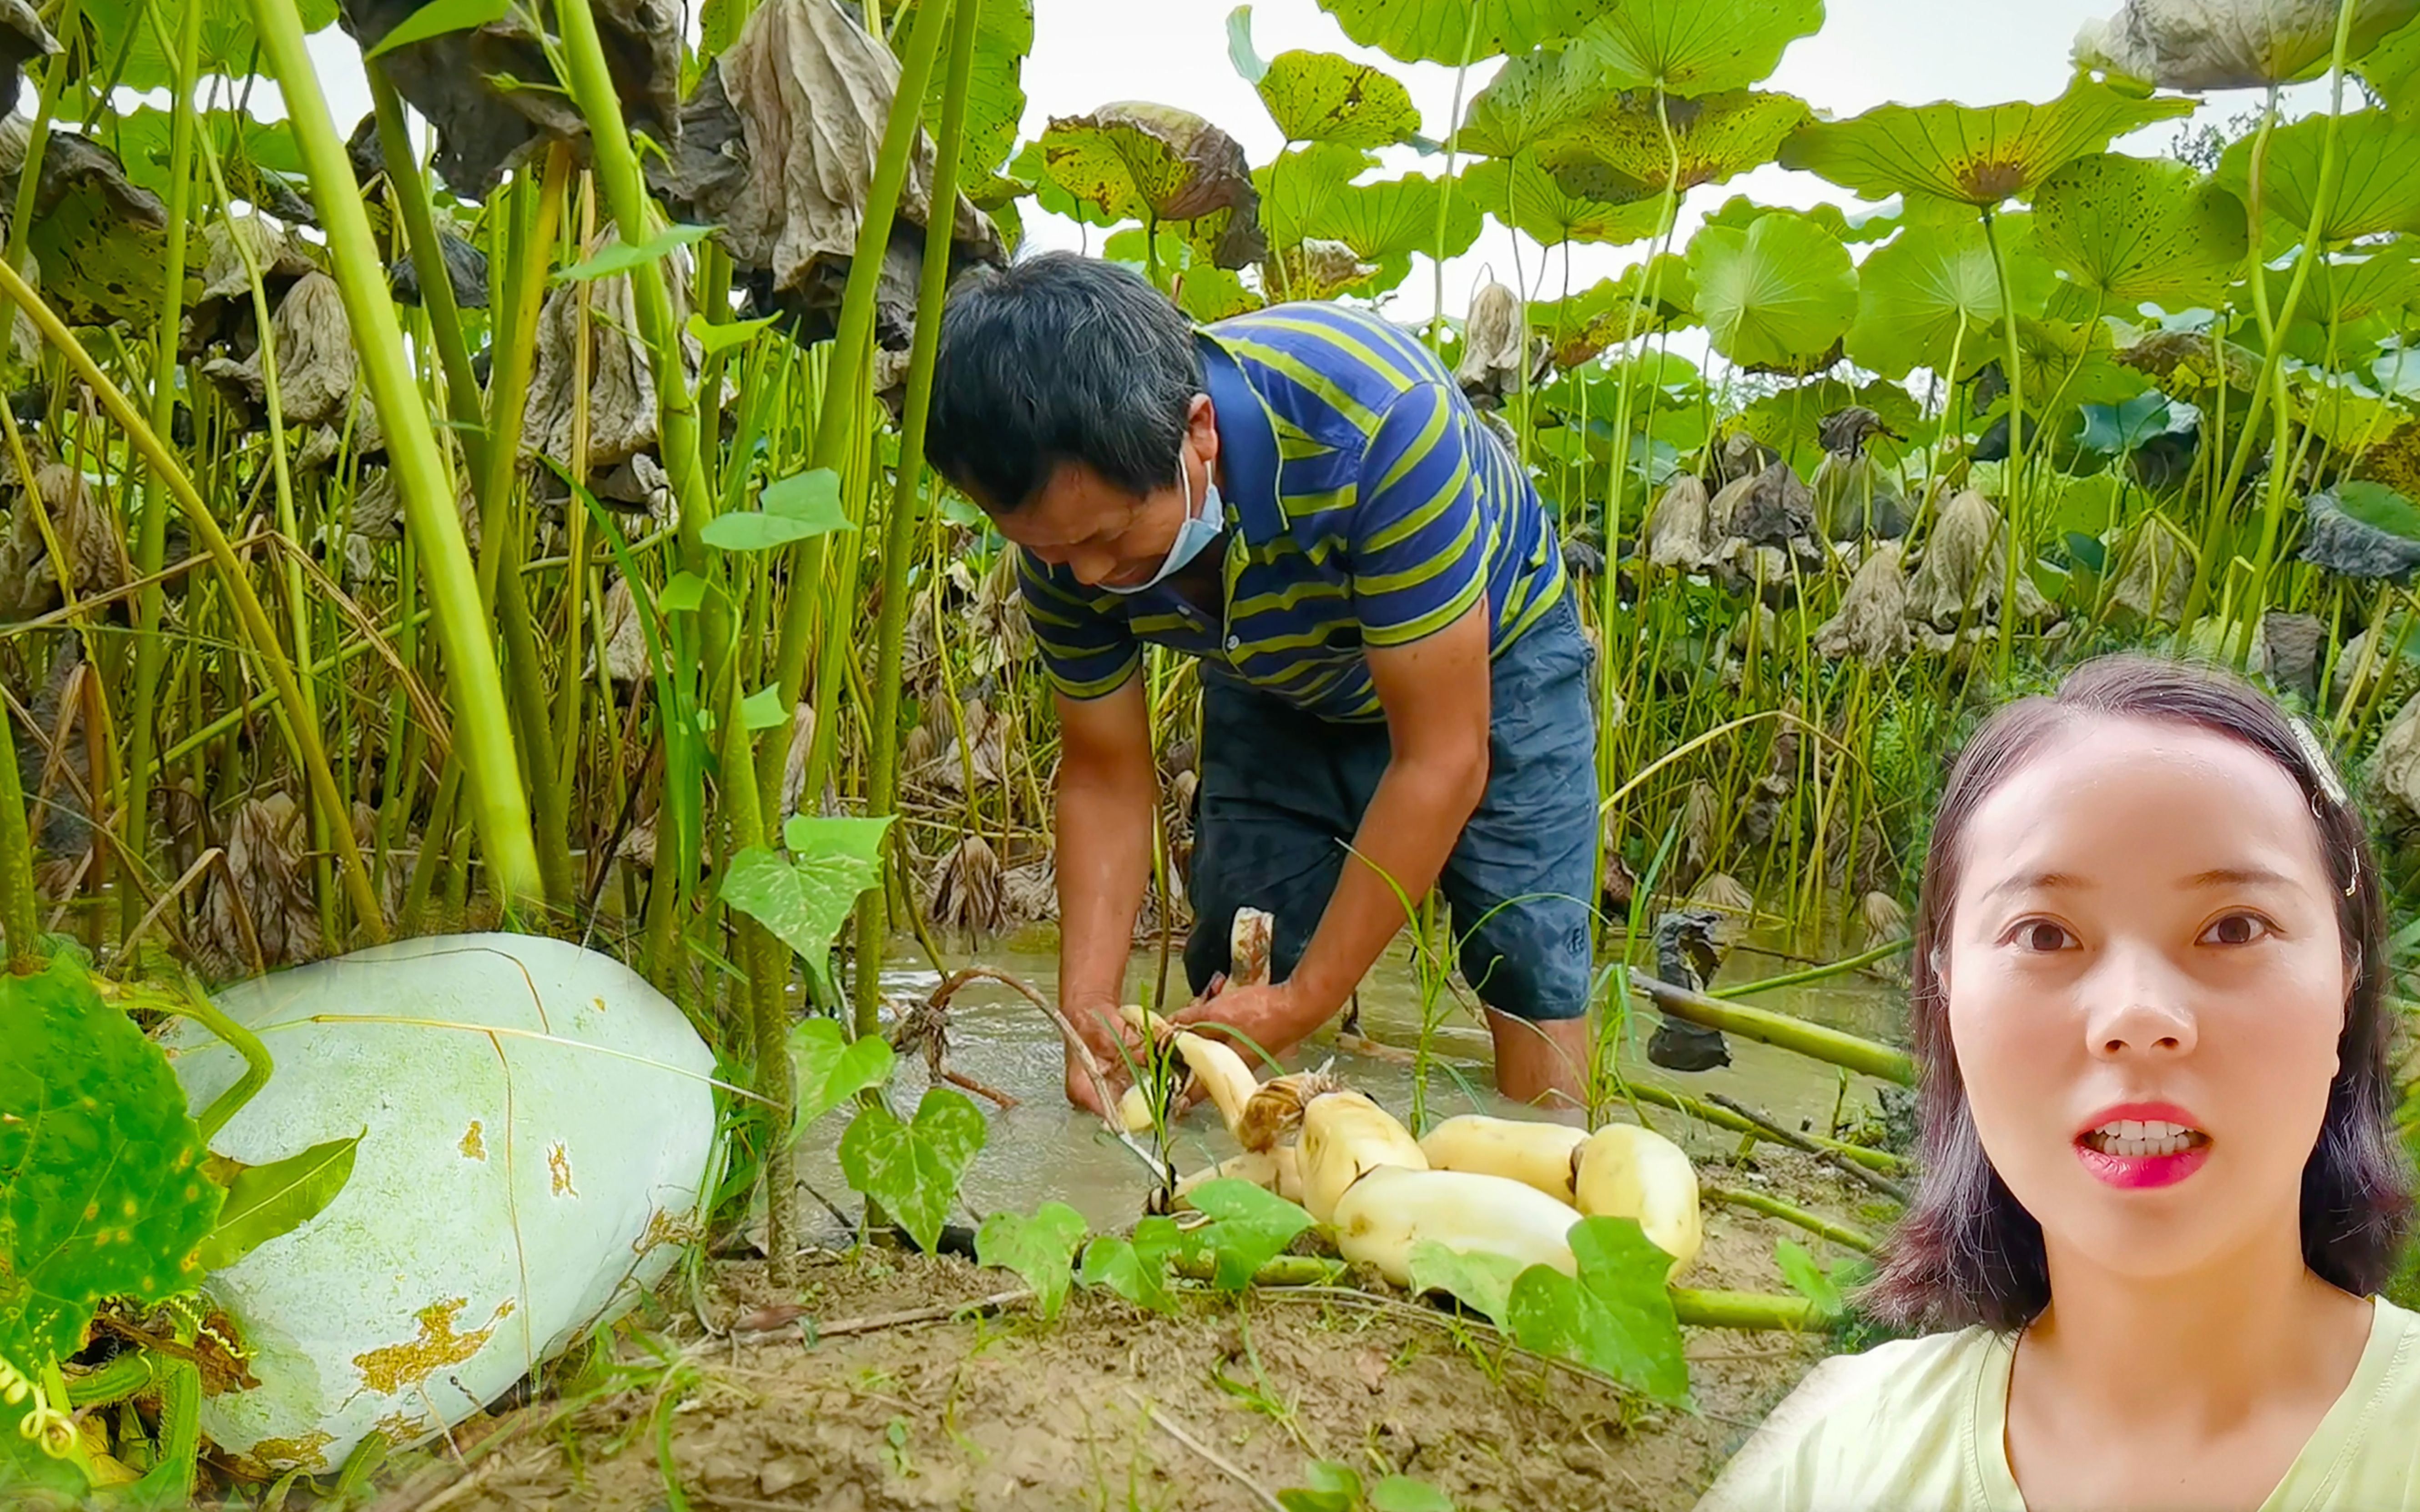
(257,1067)
(1748,1310)
(410,194)
(522,279)
(124,1375)
(767,962)
(310,755)
(1445,184)
(482,723)
(170,1480)
(2274,368)
(899,530)
(151,543)
(841,421)
(1838,1233)
(1798,979)
(18,915)
(1782,1031)
(2015,469)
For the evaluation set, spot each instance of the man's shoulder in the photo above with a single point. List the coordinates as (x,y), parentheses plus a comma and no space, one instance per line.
(1332,337)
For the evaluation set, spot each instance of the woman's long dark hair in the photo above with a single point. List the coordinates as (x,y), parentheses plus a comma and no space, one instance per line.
(1967,1252)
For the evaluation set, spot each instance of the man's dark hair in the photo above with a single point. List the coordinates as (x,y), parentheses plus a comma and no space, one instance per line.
(1967,1251)
(1060,359)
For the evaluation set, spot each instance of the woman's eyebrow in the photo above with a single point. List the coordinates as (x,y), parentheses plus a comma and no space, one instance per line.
(2027,881)
(2236,876)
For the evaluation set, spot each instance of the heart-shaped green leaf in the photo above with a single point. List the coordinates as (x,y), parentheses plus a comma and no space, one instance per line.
(1135,1269)
(796,508)
(804,900)
(1615,1316)
(1980,155)
(1698,47)
(1915,295)
(101,1191)
(1319,97)
(1040,1249)
(913,1170)
(2377,183)
(828,1068)
(1776,295)
(1618,152)
(2131,229)
(1252,1226)
(1479,1279)
(265,1201)
(1526,197)
(1402,1493)
(1805,1276)
(1461,31)
(1397,216)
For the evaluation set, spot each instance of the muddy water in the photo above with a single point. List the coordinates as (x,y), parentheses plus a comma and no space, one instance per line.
(1042,1151)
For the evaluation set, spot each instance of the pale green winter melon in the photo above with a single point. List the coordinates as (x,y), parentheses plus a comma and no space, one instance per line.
(513,1187)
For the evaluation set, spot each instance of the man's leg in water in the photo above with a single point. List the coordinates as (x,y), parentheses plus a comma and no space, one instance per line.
(1522,878)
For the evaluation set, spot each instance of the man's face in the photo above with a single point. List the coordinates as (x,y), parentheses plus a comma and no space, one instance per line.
(1104,536)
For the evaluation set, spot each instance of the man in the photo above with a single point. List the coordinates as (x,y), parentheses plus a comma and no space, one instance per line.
(1394,684)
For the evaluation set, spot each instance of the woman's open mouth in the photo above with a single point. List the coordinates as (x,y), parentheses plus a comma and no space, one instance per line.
(2143,1151)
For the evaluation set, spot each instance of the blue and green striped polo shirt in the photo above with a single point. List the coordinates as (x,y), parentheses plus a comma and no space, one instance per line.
(1366,503)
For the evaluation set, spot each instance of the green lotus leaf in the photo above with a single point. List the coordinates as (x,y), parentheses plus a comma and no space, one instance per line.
(2233,46)
(1396,217)
(1980,155)
(2342,288)
(1208,292)
(1617,151)
(1137,161)
(995,88)
(1531,95)
(2392,70)
(1526,197)
(1870,226)
(1656,296)
(230,47)
(1916,295)
(1299,186)
(1462,31)
(2069,364)
(1776,295)
(1319,97)
(1791,421)
(1698,47)
(2131,229)
(2378,188)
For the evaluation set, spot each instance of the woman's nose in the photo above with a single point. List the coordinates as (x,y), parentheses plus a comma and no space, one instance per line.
(2136,1001)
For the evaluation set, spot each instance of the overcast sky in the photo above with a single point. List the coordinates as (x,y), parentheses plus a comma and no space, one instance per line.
(1089,53)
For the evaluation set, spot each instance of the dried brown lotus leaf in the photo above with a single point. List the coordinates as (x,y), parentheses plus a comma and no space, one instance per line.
(1491,342)
(70,163)
(777,146)
(794,761)
(263,894)
(2154,574)
(316,364)
(2230,44)
(1881,917)
(1314,269)
(967,889)
(1679,526)
(281,256)
(22,38)
(86,534)
(377,505)
(1964,568)
(1871,624)
(482,127)
(1030,892)
(621,394)
(626,643)
(2395,766)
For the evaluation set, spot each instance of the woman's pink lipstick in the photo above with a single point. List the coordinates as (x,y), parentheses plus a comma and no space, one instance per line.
(2135,1172)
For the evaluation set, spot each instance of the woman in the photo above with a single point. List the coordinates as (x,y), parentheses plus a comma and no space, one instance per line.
(2161,1177)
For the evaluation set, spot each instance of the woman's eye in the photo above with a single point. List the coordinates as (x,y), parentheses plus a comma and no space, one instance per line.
(2235,929)
(2042,935)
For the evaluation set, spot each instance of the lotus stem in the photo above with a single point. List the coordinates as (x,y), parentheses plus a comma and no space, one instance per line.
(1812,974)
(1838,1233)
(1782,1031)
(899,532)
(1749,1310)
(492,766)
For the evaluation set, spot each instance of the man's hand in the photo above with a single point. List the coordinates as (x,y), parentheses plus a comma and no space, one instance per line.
(1105,1033)
(1266,1020)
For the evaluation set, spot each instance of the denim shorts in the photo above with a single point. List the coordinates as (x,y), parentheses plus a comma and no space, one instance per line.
(1282,793)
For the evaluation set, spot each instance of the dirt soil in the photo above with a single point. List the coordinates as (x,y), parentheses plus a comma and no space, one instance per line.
(1216,1409)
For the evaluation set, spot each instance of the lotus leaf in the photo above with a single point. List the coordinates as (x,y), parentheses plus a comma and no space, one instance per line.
(1871,624)
(1698,47)
(1526,197)
(2297,648)
(995,88)
(1030,172)
(229,46)
(1916,295)
(1141,162)
(2131,229)
(2344,286)
(2230,45)
(101,241)
(2155,572)
(2068,363)
(1208,292)
(2392,70)
(2363,530)
(1315,270)
(1301,184)
(452,80)
(2378,188)
(1982,156)
(1461,31)
(1530,96)
(1870,226)
(1319,97)
(1964,570)
(1397,216)
(1779,294)
(1618,151)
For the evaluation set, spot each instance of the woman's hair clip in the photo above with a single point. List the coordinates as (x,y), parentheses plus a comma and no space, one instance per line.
(2330,784)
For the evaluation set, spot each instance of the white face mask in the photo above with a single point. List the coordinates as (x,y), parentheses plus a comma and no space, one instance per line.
(1200,529)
